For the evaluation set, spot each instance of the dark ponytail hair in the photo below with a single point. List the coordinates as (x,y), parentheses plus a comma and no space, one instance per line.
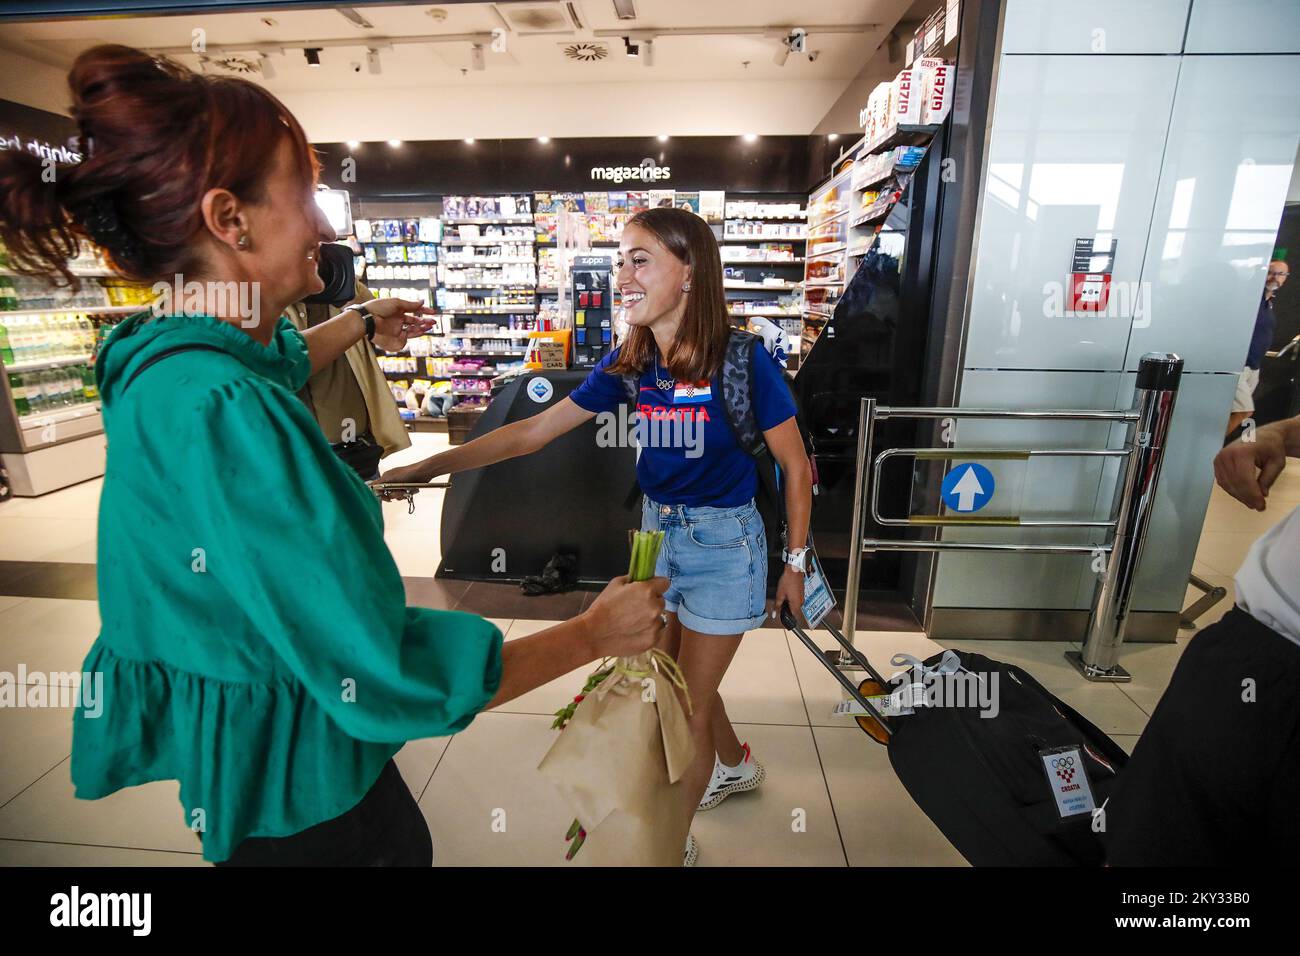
(154,137)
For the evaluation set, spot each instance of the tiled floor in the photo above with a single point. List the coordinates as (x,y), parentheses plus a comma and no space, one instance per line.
(822,770)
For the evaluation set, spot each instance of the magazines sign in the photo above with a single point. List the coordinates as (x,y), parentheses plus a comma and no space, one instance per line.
(647,171)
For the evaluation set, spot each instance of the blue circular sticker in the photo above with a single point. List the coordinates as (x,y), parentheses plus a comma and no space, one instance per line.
(967,488)
(540,390)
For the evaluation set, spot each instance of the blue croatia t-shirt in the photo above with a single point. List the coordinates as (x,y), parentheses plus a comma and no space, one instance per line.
(689,455)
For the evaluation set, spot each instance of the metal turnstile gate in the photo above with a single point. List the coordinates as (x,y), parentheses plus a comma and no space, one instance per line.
(1148,428)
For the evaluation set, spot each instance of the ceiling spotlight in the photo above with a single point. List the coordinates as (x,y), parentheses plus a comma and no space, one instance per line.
(625,9)
(649,58)
(663,137)
(394,143)
(268,69)
(751,137)
(355,18)
(543,140)
(476,57)
(832,136)
(630,48)
(372,62)
(312,53)
(782,54)
(469,140)
(353,143)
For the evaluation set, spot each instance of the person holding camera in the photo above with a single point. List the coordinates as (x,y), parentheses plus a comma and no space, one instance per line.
(255,644)
(349,397)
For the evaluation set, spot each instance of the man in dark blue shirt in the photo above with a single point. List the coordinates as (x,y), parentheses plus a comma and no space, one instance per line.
(1261,340)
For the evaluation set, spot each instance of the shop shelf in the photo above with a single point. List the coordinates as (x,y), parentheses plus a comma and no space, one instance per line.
(487,261)
(904,134)
(518,352)
(488,220)
(835,284)
(761,262)
(490,241)
(65,414)
(41,366)
(490,285)
(494,310)
(766,314)
(764,238)
(84,309)
(759,286)
(827,221)
(828,251)
(85,274)
(877,211)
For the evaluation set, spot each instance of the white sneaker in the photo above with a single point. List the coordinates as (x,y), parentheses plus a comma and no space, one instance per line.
(692,851)
(747,775)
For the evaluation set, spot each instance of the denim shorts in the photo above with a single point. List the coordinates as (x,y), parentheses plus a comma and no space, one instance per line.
(716,562)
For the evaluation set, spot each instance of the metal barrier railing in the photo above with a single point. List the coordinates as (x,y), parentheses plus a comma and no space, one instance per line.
(1148,427)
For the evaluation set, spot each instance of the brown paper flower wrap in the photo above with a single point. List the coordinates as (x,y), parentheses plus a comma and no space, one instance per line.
(618,764)
(619,760)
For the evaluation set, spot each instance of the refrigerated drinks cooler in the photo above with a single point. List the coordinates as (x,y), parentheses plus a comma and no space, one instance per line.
(51,431)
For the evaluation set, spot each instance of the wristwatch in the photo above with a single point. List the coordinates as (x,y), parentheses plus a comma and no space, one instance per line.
(797,559)
(364,311)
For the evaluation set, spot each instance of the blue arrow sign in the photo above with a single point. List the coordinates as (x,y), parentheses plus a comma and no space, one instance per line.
(967,488)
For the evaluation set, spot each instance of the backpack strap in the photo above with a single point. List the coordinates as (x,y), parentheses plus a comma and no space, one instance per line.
(166,353)
(631,389)
(738,391)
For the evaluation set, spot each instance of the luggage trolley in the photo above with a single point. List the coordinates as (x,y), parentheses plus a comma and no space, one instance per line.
(1143,452)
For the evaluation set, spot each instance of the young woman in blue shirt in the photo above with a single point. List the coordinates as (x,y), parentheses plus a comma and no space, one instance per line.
(699,485)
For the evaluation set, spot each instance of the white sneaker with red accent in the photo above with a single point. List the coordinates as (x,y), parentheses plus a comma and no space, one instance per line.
(746,775)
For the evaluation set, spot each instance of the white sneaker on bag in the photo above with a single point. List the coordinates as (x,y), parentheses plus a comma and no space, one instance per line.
(692,851)
(746,775)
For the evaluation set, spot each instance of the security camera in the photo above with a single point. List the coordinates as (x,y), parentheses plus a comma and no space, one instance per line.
(813,55)
(356,67)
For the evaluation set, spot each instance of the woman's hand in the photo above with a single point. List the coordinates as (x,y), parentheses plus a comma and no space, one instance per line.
(789,588)
(396,320)
(627,618)
(418,473)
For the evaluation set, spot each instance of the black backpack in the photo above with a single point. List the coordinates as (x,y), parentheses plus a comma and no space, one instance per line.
(738,399)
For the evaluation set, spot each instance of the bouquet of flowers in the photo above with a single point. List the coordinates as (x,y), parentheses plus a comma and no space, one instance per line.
(621,753)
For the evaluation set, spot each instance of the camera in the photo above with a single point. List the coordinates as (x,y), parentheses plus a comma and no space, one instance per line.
(335,267)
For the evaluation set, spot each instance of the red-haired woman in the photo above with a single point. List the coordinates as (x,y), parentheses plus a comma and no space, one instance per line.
(700,489)
(255,642)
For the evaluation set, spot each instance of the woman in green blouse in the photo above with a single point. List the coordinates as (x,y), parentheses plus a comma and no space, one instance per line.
(255,642)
